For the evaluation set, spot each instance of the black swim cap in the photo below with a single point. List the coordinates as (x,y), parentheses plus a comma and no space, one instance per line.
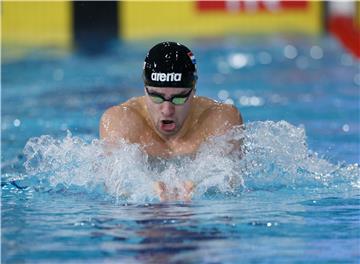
(170,64)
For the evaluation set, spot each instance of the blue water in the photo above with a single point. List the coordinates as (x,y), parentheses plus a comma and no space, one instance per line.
(297,193)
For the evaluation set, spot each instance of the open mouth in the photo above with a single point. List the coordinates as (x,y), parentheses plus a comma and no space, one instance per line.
(167,122)
(168,125)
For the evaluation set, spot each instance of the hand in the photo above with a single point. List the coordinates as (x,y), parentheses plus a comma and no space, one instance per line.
(165,194)
(189,188)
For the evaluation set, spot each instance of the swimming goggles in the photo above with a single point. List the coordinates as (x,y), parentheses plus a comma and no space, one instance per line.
(176,99)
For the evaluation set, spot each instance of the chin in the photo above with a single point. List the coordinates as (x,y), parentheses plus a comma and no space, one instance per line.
(168,133)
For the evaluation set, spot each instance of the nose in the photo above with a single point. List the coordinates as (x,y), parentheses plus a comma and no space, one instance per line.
(167,109)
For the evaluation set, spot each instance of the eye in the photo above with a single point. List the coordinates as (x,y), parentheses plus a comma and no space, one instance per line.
(179,100)
(156,99)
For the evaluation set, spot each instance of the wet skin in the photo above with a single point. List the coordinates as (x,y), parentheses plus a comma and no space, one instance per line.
(167,130)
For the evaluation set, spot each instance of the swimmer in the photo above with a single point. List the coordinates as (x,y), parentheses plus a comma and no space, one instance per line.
(169,120)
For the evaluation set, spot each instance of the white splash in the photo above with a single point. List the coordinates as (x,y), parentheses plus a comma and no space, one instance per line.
(277,156)
(274,155)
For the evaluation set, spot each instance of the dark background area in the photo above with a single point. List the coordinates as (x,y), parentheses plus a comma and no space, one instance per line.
(95,25)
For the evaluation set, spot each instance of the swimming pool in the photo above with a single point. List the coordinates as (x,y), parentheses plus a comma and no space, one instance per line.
(298,194)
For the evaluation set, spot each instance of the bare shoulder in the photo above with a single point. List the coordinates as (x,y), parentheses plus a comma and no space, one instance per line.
(122,120)
(129,110)
(219,117)
(228,112)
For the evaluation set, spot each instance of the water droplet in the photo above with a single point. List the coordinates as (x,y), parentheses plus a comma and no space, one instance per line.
(251,101)
(17,122)
(346,128)
(229,101)
(223,95)
(290,52)
(316,52)
(244,100)
(256,101)
(238,60)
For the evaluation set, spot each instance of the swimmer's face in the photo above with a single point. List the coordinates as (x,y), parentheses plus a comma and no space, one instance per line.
(168,117)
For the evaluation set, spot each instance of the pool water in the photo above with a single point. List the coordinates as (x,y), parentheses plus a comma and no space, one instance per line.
(297,186)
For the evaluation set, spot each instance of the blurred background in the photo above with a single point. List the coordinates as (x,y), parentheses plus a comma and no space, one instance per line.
(91,24)
(65,62)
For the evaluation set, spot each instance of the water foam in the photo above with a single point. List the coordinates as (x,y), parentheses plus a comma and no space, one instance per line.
(274,156)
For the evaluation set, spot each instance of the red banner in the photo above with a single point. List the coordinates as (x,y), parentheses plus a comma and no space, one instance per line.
(250,6)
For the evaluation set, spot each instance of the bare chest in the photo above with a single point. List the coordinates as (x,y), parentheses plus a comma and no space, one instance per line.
(155,146)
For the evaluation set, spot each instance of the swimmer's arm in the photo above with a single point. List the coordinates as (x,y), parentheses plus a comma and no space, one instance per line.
(219,120)
(222,118)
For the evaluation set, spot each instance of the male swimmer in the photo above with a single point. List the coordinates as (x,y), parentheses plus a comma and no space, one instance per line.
(169,120)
